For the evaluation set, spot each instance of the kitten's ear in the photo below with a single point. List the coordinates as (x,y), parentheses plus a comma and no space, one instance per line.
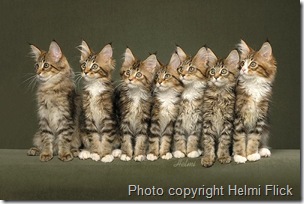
(150,63)
(174,62)
(35,52)
(85,50)
(106,53)
(204,57)
(55,51)
(266,51)
(233,59)
(129,58)
(243,48)
(182,55)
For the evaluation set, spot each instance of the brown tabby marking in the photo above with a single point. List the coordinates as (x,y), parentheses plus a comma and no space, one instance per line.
(188,126)
(97,121)
(218,110)
(135,102)
(254,88)
(56,99)
(167,91)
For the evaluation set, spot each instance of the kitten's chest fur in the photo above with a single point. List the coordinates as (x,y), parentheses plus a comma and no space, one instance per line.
(191,107)
(254,96)
(93,101)
(168,107)
(53,107)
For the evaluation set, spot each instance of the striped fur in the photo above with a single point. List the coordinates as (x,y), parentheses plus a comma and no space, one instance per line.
(188,126)
(218,110)
(253,93)
(166,99)
(56,97)
(134,103)
(97,120)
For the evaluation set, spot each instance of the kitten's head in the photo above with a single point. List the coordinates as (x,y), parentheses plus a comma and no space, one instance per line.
(136,73)
(96,66)
(194,69)
(261,64)
(225,71)
(51,66)
(167,77)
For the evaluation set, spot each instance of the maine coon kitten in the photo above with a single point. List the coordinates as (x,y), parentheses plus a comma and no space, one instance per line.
(97,120)
(188,126)
(218,109)
(253,92)
(134,102)
(166,99)
(57,133)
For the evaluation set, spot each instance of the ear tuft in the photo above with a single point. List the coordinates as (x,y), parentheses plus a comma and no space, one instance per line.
(55,51)
(129,58)
(85,50)
(35,52)
(243,48)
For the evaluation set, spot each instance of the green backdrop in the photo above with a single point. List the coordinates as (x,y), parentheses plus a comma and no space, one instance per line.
(146,26)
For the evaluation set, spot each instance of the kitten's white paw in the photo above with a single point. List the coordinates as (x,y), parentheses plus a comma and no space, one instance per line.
(84,154)
(264,152)
(95,157)
(116,153)
(167,156)
(254,157)
(200,151)
(140,158)
(124,157)
(178,154)
(239,159)
(107,158)
(151,157)
(193,154)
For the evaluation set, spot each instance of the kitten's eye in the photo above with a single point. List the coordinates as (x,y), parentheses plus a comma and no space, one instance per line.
(212,71)
(191,69)
(224,71)
(83,66)
(36,66)
(242,63)
(167,76)
(138,74)
(127,73)
(46,65)
(94,67)
(253,64)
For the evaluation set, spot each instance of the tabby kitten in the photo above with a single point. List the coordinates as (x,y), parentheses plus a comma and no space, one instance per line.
(167,92)
(97,121)
(253,92)
(218,109)
(134,102)
(56,106)
(188,126)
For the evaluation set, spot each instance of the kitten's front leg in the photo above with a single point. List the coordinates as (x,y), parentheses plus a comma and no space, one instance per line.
(253,142)
(44,140)
(65,136)
(193,150)
(179,144)
(239,142)
(141,144)
(208,144)
(153,150)
(126,144)
(108,135)
(223,152)
(165,142)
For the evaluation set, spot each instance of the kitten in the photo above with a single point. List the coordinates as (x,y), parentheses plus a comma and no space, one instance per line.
(97,121)
(56,97)
(167,91)
(135,102)
(218,109)
(253,92)
(188,126)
